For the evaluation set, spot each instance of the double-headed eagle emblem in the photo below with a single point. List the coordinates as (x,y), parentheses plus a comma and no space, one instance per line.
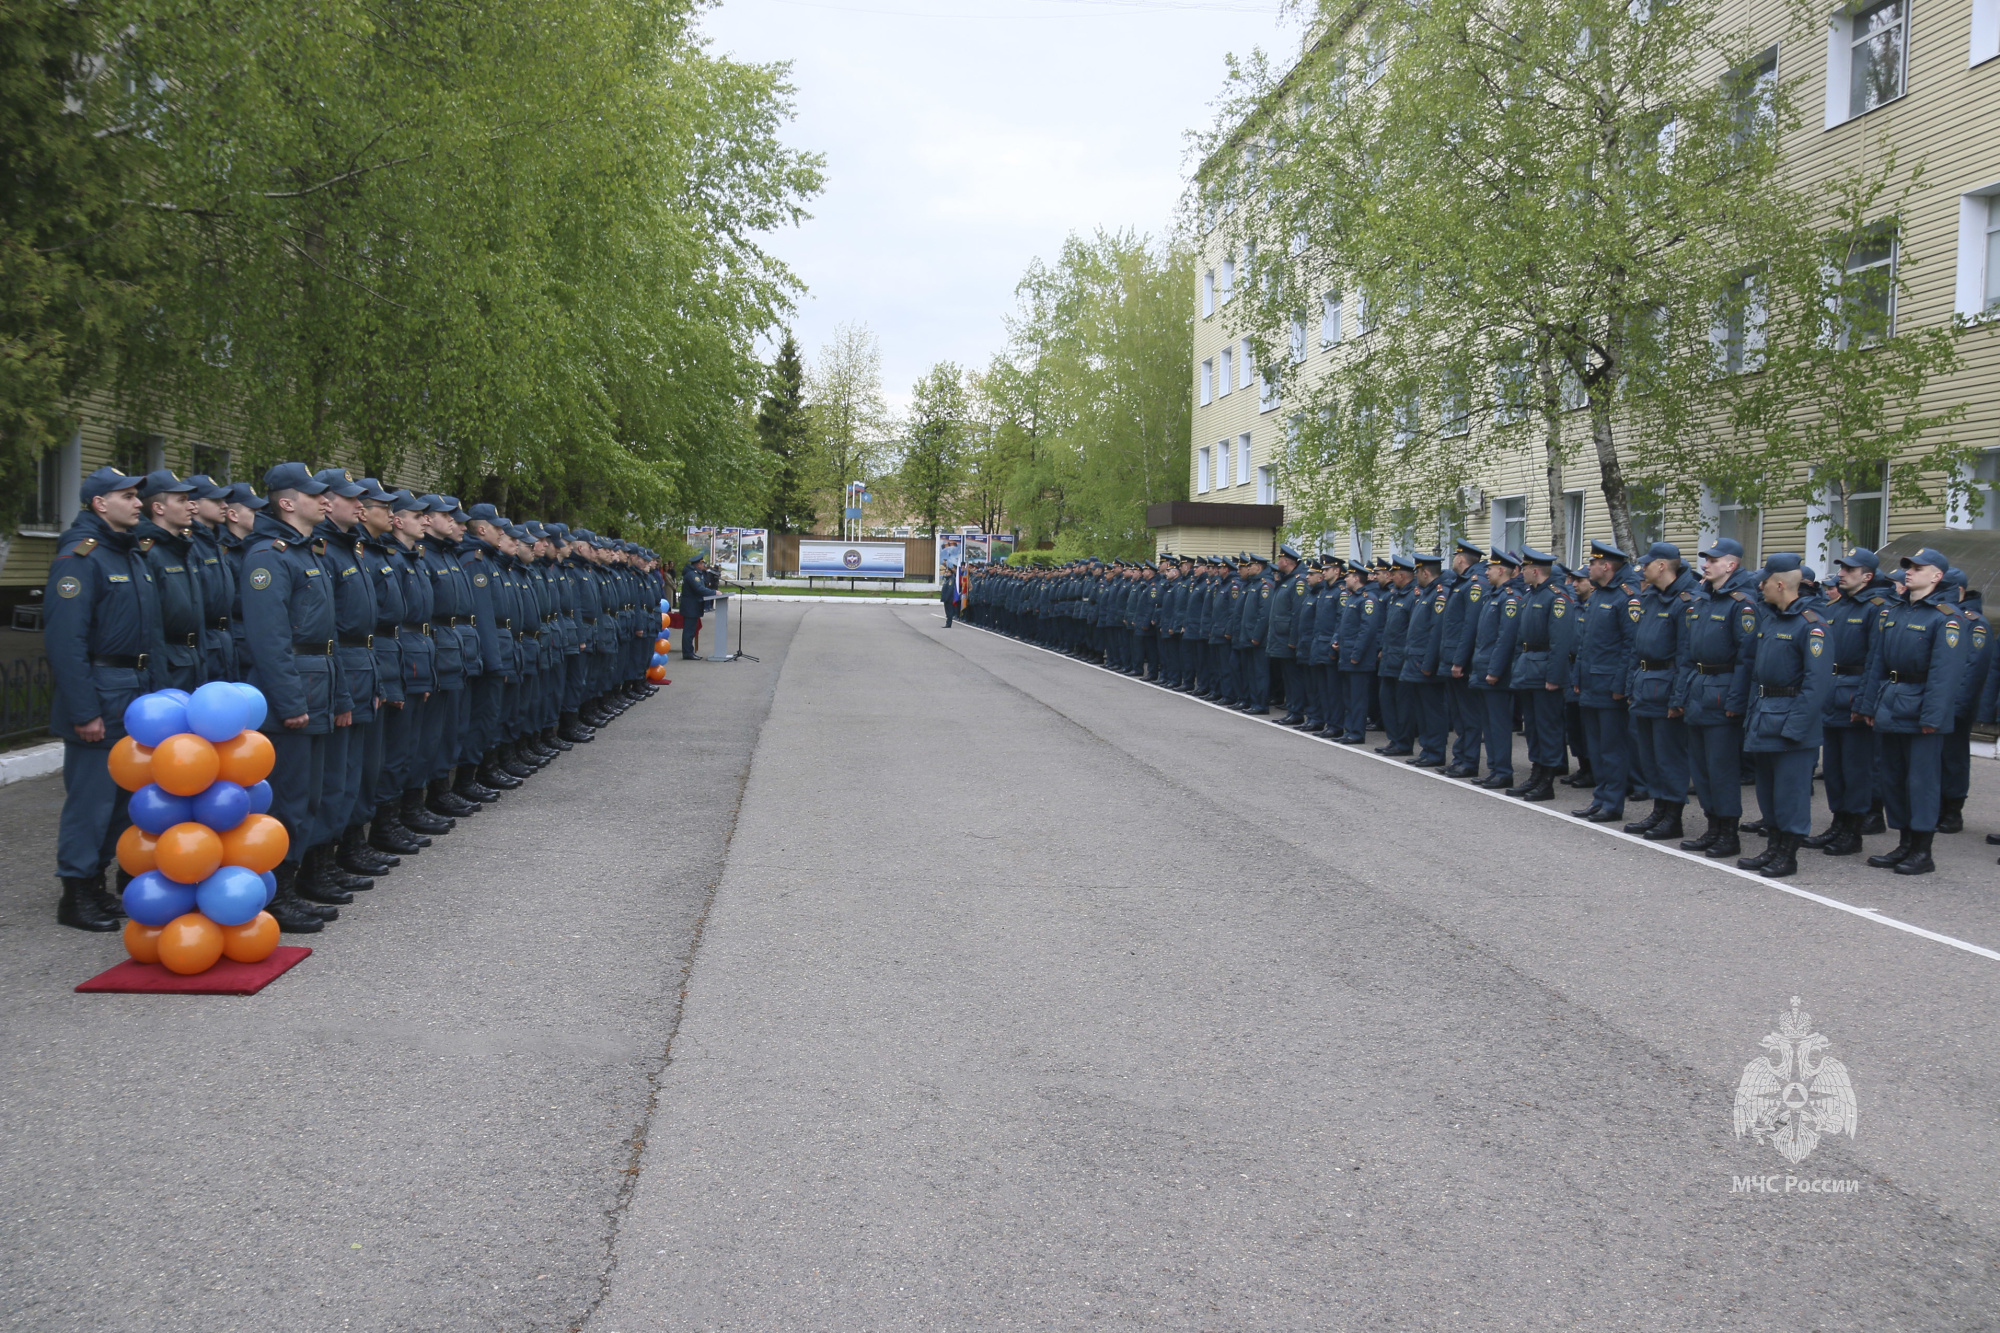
(1802,1095)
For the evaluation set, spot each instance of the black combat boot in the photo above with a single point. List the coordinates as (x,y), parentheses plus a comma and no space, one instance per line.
(387,834)
(1646,825)
(1544,790)
(1785,858)
(492,775)
(572,730)
(470,788)
(1761,859)
(1528,783)
(1875,822)
(81,906)
(509,764)
(343,879)
(1708,837)
(1918,862)
(1832,832)
(358,858)
(1669,827)
(1726,843)
(420,820)
(313,883)
(1895,855)
(1497,781)
(1846,840)
(541,756)
(391,810)
(439,800)
(552,740)
(1951,815)
(1583,777)
(293,915)
(1760,826)
(1606,814)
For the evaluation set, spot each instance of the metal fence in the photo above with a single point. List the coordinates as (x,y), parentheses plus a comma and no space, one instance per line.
(27,686)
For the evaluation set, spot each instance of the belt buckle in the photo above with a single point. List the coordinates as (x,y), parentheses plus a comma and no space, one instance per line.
(142,661)
(370,643)
(331,644)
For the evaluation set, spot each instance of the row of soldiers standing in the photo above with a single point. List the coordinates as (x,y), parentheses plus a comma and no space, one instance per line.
(1659,681)
(416,659)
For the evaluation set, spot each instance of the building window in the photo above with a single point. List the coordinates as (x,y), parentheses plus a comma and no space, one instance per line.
(1226,373)
(211,462)
(1364,313)
(1207,381)
(1513,391)
(1243,458)
(1648,516)
(1329,319)
(1454,409)
(1859,504)
(1208,293)
(1985,32)
(1573,529)
(1739,326)
(1267,487)
(1201,473)
(1742,523)
(1247,365)
(1298,340)
(1510,522)
(1228,285)
(1868,289)
(1755,88)
(1866,59)
(40,504)
(1408,420)
(1268,396)
(1574,396)
(1992,265)
(1221,464)
(1986,481)
(135,453)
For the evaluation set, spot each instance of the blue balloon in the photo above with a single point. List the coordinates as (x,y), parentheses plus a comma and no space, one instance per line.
(665,606)
(156,811)
(255,707)
(260,798)
(151,718)
(231,896)
(178,696)
(152,899)
(222,807)
(215,713)
(661,659)
(270,886)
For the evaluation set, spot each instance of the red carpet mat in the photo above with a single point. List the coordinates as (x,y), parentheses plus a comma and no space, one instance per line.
(225,978)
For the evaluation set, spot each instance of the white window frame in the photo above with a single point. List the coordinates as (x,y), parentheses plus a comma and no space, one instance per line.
(1985,43)
(1755,85)
(1739,331)
(1573,521)
(1222,464)
(1227,288)
(1979,253)
(1208,293)
(1246,364)
(1892,263)
(1269,394)
(1243,459)
(1299,340)
(1202,465)
(1329,319)
(1502,518)
(1988,517)
(1208,381)
(1267,486)
(1840,44)
(1225,372)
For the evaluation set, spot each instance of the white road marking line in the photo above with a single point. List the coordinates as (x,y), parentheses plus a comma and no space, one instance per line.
(1865,913)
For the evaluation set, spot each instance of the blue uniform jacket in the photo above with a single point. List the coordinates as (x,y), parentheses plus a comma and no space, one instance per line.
(1719,647)
(177,580)
(1791,675)
(1395,630)
(354,615)
(493,607)
(1499,626)
(1545,629)
(288,627)
(1604,648)
(100,603)
(1423,646)
(378,566)
(1913,667)
(418,640)
(1850,624)
(218,600)
(1361,630)
(1659,649)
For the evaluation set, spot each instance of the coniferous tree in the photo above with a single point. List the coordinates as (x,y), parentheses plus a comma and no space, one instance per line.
(785,434)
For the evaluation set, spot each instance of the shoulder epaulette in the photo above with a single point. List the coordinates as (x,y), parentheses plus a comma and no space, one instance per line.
(145,545)
(319,547)
(1739,594)
(1812,616)
(1877,599)
(418,548)
(278,543)
(84,547)
(357,550)
(1687,597)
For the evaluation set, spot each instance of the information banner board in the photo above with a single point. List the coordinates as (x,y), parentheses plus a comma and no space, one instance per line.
(950,551)
(851,560)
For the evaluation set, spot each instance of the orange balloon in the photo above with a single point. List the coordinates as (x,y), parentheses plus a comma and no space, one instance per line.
(138,851)
(189,853)
(259,842)
(131,764)
(185,765)
(247,760)
(663,645)
(190,944)
(666,620)
(143,942)
(253,941)
(657,675)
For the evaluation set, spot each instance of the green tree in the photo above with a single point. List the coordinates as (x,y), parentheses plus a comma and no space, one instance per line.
(851,421)
(932,469)
(786,436)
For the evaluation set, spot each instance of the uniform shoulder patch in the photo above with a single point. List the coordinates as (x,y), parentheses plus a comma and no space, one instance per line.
(69,585)
(145,545)
(1634,610)
(260,578)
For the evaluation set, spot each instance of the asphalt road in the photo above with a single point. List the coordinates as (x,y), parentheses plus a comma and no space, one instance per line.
(918,978)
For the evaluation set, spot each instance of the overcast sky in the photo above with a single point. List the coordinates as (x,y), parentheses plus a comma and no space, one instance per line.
(963,138)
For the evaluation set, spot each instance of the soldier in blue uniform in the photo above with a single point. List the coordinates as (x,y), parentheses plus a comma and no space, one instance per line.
(240,511)
(401,808)
(383,564)
(1849,753)
(1604,652)
(101,629)
(218,581)
(1975,642)
(495,613)
(1791,679)
(164,542)
(1467,591)
(1910,697)
(1422,683)
(1547,622)
(343,862)
(1399,728)
(1721,631)
(1288,595)
(1659,736)
(1492,661)
(1358,643)
(456,642)
(291,642)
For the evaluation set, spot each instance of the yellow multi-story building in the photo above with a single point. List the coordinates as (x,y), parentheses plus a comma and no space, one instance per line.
(1920,78)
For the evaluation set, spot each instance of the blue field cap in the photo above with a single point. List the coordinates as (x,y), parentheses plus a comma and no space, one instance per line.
(1784,562)
(1928,556)
(241,494)
(402,502)
(1607,551)
(162,481)
(205,487)
(1810,574)
(1476,552)
(1428,558)
(106,480)
(1725,546)
(1402,562)
(1662,551)
(1956,577)
(1860,558)
(292,477)
(1500,555)
(336,480)
(373,493)
(487,513)
(1530,556)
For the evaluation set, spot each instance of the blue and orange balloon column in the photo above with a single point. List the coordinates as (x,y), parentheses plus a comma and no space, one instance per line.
(663,647)
(201,849)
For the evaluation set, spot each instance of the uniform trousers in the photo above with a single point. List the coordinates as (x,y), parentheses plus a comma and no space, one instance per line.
(1468,720)
(1499,734)
(1433,714)
(1295,686)
(1912,773)
(1390,693)
(393,728)
(572,690)
(1542,711)
(1253,674)
(1955,764)
(298,780)
(1784,788)
(1660,747)
(439,737)
(1847,759)
(1354,703)
(93,813)
(336,790)
(1607,741)
(1715,757)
